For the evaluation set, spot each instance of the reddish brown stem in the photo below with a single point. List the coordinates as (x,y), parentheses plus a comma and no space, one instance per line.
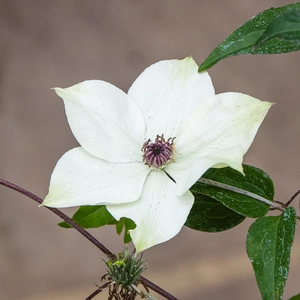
(82,231)
(61,215)
(98,291)
(293,197)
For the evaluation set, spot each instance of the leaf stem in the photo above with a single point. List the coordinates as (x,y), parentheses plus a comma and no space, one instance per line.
(86,234)
(240,191)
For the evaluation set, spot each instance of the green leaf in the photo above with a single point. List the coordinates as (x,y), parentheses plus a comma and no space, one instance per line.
(128,224)
(90,217)
(97,216)
(250,39)
(254,181)
(210,215)
(285,27)
(269,243)
(125,224)
(296,297)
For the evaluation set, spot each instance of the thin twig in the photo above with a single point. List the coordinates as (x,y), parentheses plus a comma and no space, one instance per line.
(240,191)
(82,231)
(157,289)
(293,197)
(98,291)
(61,215)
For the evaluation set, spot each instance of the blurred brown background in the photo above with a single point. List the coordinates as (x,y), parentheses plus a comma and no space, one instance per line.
(59,43)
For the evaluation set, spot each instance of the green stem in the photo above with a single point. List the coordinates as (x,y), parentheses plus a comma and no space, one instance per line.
(239,191)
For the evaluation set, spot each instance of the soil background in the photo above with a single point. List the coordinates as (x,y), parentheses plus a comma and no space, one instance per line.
(44,44)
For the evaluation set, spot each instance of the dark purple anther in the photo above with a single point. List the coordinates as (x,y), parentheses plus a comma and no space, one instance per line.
(159,153)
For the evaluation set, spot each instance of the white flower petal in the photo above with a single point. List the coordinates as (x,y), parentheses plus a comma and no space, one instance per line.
(104,120)
(218,133)
(167,92)
(187,171)
(82,179)
(159,214)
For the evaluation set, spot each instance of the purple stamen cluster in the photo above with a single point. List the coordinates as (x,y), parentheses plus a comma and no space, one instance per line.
(159,153)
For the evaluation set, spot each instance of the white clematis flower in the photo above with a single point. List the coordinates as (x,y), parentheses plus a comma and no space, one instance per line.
(169,125)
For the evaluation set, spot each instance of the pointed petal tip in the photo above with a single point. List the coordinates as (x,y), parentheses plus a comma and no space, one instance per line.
(140,249)
(188,58)
(48,202)
(59,91)
(141,245)
(57,203)
(268,103)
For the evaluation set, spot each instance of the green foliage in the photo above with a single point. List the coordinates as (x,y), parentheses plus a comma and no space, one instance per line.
(217,208)
(273,31)
(97,216)
(125,224)
(269,243)
(208,214)
(90,217)
(285,28)
(296,297)
(254,181)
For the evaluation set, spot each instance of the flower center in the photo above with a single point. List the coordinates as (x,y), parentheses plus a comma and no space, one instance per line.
(158,153)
